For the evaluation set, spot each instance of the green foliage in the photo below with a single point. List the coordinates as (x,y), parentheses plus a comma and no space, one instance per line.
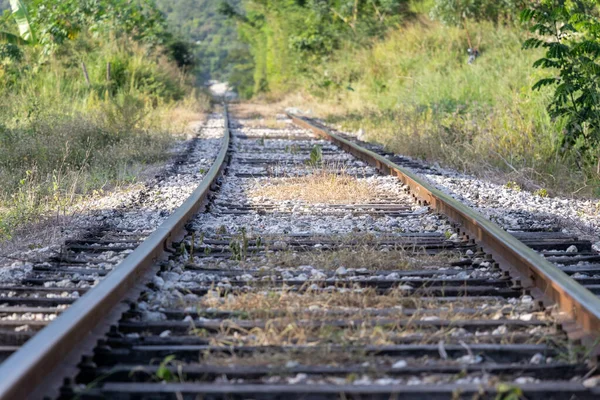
(316,156)
(570,34)
(45,24)
(62,138)
(10,52)
(414,93)
(513,186)
(454,12)
(239,246)
(21,16)
(508,392)
(163,373)
(217,50)
(287,38)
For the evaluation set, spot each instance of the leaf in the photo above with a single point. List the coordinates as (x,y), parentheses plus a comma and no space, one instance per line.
(544,82)
(163,372)
(589,47)
(532,43)
(542,29)
(316,155)
(11,38)
(527,15)
(558,50)
(19,12)
(546,63)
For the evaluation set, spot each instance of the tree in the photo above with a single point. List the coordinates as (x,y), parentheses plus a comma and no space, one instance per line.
(213,35)
(288,37)
(21,17)
(569,31)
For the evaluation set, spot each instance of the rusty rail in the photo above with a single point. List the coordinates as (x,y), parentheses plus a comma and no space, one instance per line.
(578,302)
(30,365)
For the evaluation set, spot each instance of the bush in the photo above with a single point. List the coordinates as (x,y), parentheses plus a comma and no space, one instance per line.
(415,93)
(60,139)
(454,12)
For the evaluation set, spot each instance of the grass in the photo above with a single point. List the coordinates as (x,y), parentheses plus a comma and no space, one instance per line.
(61,140)
(348,250)
(414,92)
(361,256)
(321,186)
(281,359)
(268,123)
(294,318)
(267,303)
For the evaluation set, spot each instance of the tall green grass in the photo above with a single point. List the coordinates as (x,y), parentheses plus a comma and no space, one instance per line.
(415,93)
(61,139)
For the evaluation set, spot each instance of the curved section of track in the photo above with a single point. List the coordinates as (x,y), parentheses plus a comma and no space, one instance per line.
(28,367)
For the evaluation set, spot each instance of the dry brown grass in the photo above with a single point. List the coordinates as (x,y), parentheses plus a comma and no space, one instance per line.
(362,256)
(316,356)
(256,110)
(294,301)
(290,332)
(368,331)
(293,318)
(270,123)
(319,187)
(359,302)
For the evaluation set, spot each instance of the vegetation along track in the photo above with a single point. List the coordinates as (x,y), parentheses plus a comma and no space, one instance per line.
(312,274)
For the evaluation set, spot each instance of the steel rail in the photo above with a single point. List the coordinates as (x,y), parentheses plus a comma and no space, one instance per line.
(27,368)
(572,298)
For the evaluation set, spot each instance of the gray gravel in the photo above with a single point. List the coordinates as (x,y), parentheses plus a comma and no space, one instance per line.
(138,209)
(513,208)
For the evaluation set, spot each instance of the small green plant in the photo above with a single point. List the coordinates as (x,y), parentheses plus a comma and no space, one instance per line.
(259,243)
(182,250)
(576,353)
(239,246)
(513,185)
(448,234)
(316,156)
(293,149)
(508,392)
(202,171)
(191,258)
(164,374)
(261,141)
(541,193)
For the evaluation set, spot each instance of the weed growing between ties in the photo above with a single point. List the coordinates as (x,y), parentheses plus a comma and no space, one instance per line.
(293,302)
(317,356)
(321,186)
(265,123)
(350,251)
(362,256)
(309,311)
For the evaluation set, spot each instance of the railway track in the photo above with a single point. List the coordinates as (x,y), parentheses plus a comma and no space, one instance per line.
(312,273)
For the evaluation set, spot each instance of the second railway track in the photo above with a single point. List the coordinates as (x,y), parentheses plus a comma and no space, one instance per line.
(311,274)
